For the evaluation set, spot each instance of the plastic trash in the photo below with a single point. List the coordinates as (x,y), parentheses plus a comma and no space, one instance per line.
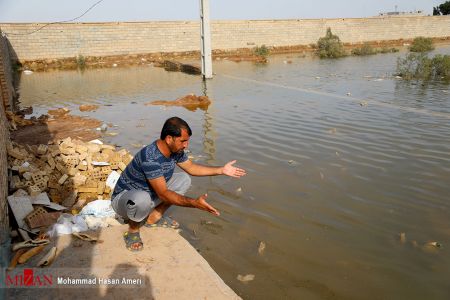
(245,278)
(96,141)
(98,208)
(112,179)
(94,223)
(67,224)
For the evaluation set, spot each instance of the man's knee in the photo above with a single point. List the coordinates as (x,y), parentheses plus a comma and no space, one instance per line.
(186,180)
(138,204)
(180,183)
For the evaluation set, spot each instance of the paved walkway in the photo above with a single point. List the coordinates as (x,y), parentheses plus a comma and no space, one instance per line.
(168,268)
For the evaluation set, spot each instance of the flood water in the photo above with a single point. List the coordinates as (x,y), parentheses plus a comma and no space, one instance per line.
(331,184)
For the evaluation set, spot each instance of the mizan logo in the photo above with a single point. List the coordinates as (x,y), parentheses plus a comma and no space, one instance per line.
(28,278)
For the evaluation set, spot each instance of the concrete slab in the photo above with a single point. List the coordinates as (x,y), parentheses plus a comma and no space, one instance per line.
(167,268)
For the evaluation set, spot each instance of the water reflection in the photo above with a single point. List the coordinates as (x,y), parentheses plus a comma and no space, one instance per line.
(330,183)
(209,134)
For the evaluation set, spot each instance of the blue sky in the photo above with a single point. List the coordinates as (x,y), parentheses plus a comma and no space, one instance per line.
(143,10)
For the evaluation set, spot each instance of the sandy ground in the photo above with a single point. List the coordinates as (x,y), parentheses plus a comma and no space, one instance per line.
(168,268)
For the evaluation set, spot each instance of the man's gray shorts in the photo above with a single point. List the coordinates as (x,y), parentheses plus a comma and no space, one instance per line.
(136,205)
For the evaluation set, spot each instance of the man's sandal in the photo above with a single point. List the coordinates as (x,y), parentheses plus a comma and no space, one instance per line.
(132,238)
(165,222)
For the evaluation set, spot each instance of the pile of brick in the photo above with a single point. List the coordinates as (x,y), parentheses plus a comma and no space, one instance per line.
(67,170)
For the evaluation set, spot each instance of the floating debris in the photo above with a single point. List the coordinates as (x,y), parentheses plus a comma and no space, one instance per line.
(112,133)
(239,191)
(87,107)
(349,94)
(321,175)
(363,103)
(434,244)
(261,248)
(402,237)
(292,162)
(246,278)
(432,247)
(332,131)
(317,77)
(27,72)
(190,102)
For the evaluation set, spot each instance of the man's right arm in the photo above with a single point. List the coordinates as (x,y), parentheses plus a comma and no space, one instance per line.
(168,196)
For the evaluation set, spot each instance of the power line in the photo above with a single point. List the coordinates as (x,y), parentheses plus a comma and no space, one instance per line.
(58,22)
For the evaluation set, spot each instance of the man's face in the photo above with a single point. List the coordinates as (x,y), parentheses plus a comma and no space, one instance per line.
(178,144)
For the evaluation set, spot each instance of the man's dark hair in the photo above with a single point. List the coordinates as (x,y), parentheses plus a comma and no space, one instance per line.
(173,127)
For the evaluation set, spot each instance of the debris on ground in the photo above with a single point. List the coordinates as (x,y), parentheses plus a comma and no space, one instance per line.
(46,129)
(86,237)
(190,102)
(49,180)
(48,258)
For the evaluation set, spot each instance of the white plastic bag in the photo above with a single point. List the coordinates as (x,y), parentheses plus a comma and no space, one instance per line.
(98,208)
(67,224)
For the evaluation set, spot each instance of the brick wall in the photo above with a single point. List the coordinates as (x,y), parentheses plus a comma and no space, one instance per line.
(103,39)
(4,138)
(7,92)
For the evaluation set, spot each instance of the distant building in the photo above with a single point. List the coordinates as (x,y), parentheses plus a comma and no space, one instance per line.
(402,13)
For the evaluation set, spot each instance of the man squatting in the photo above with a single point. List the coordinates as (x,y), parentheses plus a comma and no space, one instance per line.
(148,186)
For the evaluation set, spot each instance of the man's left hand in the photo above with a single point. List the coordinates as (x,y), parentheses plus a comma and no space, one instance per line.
(233,171)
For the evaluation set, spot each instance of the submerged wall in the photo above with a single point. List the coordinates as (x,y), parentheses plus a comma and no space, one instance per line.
(29,42)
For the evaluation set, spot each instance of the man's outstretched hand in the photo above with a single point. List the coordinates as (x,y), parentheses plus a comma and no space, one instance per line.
(233,171)
(201,203)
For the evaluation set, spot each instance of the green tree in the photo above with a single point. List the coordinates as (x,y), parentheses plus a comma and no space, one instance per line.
(330,46)
(421,44)
(443,9)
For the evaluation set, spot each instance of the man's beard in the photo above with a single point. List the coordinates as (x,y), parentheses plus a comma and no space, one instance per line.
(176,152)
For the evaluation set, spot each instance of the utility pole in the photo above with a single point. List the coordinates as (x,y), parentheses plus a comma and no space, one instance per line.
(205,36)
